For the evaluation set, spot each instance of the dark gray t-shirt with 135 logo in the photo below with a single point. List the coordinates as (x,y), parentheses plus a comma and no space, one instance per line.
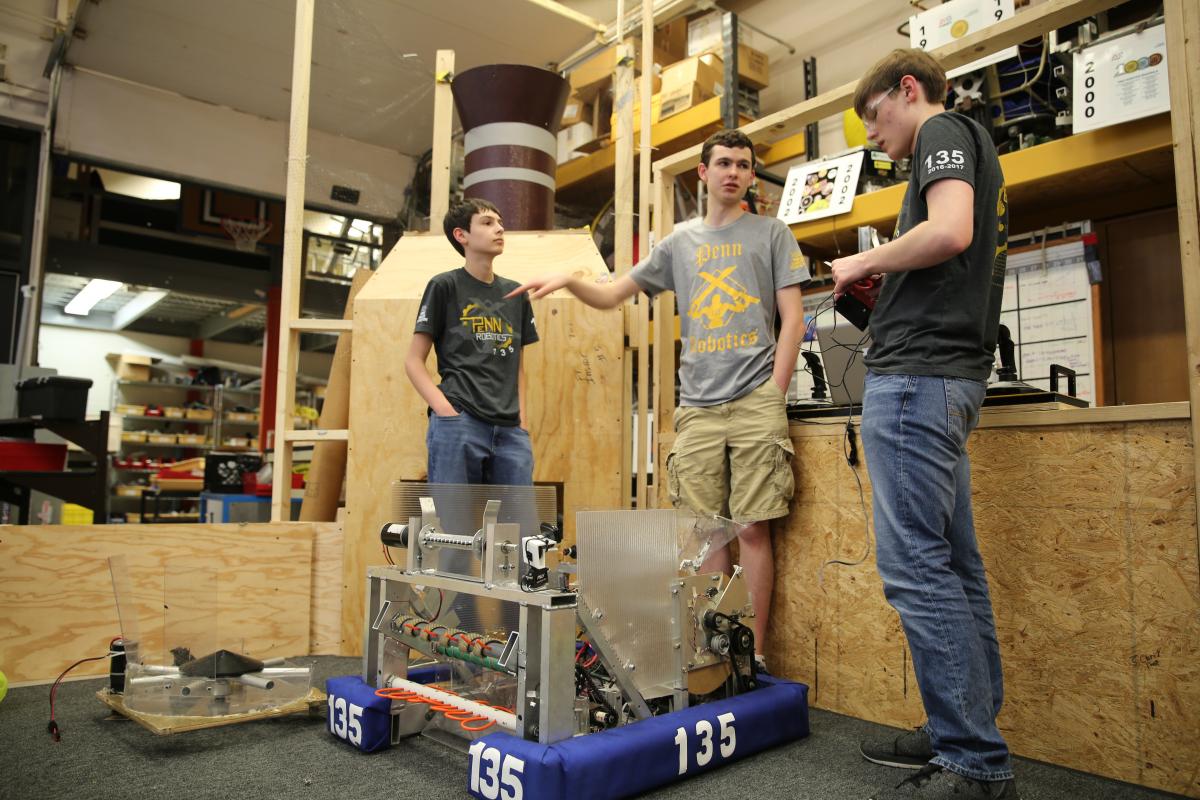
(478,336)
(942,320)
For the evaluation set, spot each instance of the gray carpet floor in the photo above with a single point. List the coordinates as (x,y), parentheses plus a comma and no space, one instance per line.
(295,757)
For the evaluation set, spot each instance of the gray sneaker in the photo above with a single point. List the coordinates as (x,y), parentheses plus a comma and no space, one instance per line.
(935,783)
(909,750)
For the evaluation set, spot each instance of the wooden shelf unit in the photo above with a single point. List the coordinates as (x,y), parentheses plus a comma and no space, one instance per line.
(1120,169)
(591,174)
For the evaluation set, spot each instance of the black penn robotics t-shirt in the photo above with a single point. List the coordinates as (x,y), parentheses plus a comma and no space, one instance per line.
(478,336)
(943,320)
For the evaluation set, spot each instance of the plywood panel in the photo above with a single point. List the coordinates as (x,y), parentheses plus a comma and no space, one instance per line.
(574,378)
(56,595)
(1090,540)
(326,606)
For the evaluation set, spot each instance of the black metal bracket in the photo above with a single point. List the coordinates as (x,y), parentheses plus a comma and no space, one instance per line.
(729,54)
(812,143)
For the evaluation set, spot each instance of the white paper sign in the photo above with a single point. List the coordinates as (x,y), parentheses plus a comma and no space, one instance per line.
(1121,79)
(820,188)
(943,24)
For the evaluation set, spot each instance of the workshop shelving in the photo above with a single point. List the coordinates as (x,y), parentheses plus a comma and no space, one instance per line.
(1123,168)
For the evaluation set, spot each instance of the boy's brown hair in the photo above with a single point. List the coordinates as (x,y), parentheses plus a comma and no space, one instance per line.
(459,216)
(726,138)
(888,71)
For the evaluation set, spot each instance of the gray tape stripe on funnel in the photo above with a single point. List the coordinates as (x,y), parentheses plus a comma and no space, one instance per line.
(509,174)
(513,133)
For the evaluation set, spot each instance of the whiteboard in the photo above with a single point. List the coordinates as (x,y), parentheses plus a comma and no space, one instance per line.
(1047,307)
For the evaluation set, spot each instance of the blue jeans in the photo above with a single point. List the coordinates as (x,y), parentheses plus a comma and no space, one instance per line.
(464,449)
(915,430)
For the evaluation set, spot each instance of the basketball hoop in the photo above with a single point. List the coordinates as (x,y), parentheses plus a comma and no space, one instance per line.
(246,233)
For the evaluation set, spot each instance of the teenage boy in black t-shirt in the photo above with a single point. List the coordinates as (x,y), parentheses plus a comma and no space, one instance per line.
(934,334)
(477,426)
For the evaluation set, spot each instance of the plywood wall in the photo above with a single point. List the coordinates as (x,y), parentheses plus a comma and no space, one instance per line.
(326,606)
(1089,536)
(57,603)
(575,402)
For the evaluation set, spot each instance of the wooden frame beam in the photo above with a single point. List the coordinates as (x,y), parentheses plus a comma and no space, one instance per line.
(646,436)
(443,122)
(293,252)
(1183,68)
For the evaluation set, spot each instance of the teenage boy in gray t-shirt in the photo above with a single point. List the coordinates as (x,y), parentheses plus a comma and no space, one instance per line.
(732,272)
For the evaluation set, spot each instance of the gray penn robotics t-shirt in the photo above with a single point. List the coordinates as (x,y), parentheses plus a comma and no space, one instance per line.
(725,280)
(478,336)
(942,320)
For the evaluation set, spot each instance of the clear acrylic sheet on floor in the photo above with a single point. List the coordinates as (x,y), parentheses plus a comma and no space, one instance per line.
(186,667)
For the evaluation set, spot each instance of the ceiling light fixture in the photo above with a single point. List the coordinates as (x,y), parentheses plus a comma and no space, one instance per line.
(97,289)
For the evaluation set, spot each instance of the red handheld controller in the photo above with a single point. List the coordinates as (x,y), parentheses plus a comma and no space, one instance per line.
(858,302)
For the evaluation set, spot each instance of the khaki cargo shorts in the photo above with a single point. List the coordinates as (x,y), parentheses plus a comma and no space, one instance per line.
(733,459)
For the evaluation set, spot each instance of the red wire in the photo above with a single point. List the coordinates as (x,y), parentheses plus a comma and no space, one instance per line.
(52,727)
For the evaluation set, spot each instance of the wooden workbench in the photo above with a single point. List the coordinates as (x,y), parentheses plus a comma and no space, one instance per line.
(1087,523)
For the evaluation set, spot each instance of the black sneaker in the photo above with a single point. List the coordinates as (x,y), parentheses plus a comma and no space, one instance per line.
(909,750)
(935,783)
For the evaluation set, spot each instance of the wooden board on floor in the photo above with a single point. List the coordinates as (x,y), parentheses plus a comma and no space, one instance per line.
(162,725)
(1089,536)
(250,584)
(573,374)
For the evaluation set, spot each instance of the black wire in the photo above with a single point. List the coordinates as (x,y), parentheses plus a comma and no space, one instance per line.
(855,352)
(438,613)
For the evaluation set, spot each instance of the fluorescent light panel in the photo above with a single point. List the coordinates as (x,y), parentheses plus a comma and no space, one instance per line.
(97,289)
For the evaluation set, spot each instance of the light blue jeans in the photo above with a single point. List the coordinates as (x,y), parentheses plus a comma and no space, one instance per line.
(465,449)
(914,430)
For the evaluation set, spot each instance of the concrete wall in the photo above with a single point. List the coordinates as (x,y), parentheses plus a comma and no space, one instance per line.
(142,128)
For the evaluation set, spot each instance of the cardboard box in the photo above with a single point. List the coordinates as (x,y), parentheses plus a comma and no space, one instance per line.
(576,110)
(591,76)
(173,412)
(704,34)
(754,69)
(192,438)
(198,413)
(686,83)
(161,438)
(570,138)
(133,367)
(671,40)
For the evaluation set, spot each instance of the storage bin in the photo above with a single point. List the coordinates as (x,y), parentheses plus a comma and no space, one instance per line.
(53,397)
